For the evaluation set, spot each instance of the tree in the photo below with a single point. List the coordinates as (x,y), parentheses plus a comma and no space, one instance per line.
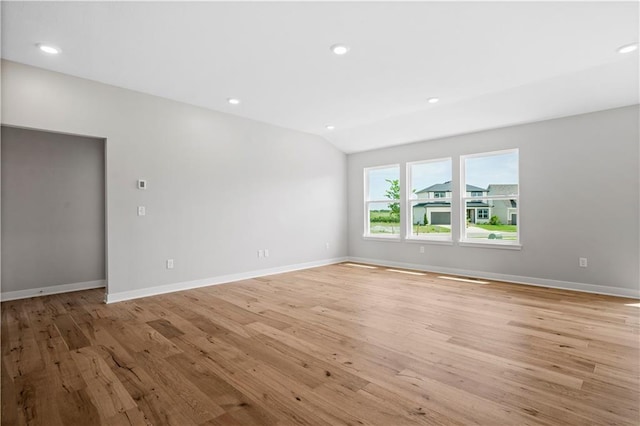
(393,193)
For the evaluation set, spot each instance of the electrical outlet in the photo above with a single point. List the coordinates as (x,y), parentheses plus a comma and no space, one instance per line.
(583,262)
(260,253)
(169,263)
(142,211)
(266,252)
(421,249)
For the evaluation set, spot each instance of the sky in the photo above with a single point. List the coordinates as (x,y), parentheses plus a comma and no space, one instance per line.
(497,169)
(480,171)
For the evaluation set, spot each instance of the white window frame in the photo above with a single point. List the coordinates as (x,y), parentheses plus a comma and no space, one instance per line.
(366,231)
(498,243)
(408,229)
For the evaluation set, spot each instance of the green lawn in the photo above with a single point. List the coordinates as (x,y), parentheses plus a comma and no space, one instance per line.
(383,216)
(503,228)
(430,229)
(383,222)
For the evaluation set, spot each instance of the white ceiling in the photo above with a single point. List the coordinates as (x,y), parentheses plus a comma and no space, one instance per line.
(491,64)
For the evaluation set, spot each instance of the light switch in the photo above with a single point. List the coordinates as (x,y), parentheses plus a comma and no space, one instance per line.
(142,211)
(142,184)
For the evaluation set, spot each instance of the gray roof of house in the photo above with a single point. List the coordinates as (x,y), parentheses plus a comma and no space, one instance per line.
(477,204)
(505,203)
(443,204)
(444,187)
(434,204)
(503,189)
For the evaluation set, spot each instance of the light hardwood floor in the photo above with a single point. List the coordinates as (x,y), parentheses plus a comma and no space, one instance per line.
(333,345)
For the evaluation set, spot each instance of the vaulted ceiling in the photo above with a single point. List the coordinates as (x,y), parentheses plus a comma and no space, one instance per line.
(491,64)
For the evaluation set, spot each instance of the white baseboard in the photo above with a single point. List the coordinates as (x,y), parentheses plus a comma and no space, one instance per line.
(222,279)
(539,282)
(168,288)
(56,289)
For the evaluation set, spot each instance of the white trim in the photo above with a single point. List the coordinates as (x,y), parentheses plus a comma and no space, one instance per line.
(221,279)
(484,244)
(433,240)
(56,289)
(515,279)
(409,200)
(385,201)
(464,198)
(367,201)
(373,237)
(384,166)
(367,218)
(491,197)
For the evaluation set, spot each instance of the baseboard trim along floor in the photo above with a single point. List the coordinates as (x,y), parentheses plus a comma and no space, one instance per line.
(516,279)
(56,289)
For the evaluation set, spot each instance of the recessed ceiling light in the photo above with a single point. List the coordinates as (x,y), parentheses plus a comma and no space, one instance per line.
(233,101)
(339,49)
(329,127)
(628,48)
(46,48)
(433,100)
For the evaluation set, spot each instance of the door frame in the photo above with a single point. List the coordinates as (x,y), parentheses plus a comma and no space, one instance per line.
(106,204)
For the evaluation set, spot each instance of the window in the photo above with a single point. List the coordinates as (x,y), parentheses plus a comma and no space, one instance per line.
(382,201)
(491,216)
(429,218)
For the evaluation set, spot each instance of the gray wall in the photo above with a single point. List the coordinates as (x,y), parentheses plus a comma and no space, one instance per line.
(579,197)
(220,187)
(52,209)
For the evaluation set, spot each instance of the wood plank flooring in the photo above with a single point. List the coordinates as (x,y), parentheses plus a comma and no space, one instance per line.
(336,345)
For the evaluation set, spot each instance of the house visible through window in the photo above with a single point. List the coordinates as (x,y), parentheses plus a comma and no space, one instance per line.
(382,201)
(490,204)
(429,199)
(488,200)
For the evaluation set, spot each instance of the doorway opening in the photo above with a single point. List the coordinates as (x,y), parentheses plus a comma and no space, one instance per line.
(53,218)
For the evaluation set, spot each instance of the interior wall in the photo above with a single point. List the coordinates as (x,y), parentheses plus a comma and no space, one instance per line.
(579,197)
(52,209)
(220,187)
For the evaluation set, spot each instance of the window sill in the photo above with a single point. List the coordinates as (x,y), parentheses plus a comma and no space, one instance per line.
(393,239)
(504,246)
(438,241)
